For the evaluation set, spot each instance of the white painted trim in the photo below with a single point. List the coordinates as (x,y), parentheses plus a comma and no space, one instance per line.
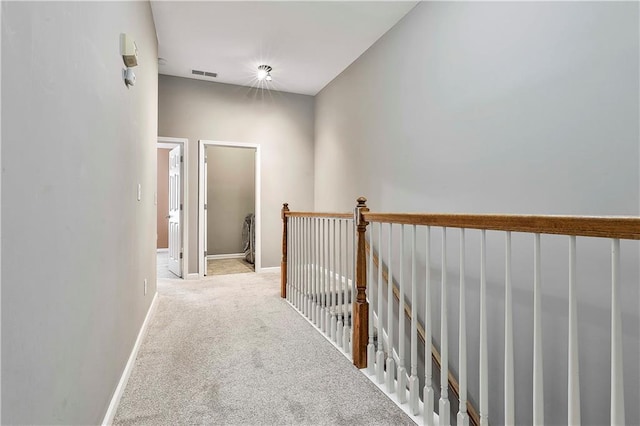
(193,276)
(270,269)
(258,190)
(225,256)
(165,141)
(122,384)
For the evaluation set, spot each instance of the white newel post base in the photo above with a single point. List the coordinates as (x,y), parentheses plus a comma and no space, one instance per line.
(345,339)
(463,419)
(371,359)
(333,327)
(323,320)
(428,406)
(402,385)
(444,412)
(380,366)
(391,367)
(414,395)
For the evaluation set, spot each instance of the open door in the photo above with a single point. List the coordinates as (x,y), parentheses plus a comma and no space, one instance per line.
(175,211)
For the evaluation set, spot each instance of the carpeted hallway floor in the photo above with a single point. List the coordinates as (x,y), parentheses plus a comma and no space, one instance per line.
(227,350)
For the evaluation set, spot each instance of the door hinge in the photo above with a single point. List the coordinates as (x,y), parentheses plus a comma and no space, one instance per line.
(205,206)
(182,159)
(180,206)
(180,255)
(205,253)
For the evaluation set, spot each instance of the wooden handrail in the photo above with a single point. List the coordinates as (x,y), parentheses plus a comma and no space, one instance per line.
(314,214)
(623,227)
(474,417)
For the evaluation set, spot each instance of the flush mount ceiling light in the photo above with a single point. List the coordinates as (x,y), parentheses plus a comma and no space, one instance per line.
(264,72)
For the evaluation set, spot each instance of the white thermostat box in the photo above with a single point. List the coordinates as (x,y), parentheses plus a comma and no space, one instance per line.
(128,50)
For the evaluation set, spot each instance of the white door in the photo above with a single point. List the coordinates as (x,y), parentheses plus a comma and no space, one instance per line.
(206,214)
(175,211)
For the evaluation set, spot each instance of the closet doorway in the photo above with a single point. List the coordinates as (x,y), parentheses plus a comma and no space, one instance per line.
(229,217)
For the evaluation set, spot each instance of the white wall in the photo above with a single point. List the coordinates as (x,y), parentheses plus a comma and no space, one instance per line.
(503,107)
(282,123)
(76,243)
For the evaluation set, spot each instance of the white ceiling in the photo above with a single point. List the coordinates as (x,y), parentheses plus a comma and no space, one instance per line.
(307,43)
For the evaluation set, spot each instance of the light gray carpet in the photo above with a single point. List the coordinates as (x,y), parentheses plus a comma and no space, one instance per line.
(228,266)
(228,350)
(163,265)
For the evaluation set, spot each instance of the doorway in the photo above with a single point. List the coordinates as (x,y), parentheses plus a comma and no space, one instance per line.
(172,202)
(229,217)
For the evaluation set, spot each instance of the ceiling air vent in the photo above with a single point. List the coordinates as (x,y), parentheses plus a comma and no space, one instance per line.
(205,73)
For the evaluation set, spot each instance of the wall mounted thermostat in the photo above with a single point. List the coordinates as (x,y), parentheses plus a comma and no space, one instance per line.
(128,50)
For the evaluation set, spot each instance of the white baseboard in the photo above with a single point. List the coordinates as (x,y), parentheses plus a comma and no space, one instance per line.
(122,384)
(225,256)
(270,269)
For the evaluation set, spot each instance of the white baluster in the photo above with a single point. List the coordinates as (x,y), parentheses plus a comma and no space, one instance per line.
(371,350)
(314,271)
(428,394)
(301,265)
(484,360)
(323,290)
(573,398)
(380,353)
(509,397)
(617,383)
(318,272)
(340,307)
(463,416)
(354,291)
(289,259)
(305,253)
(330,322)
(294,298)
(334,288)
(390,361)
(309,305)
(444,411)
(299,262)
(402,372)
(414,383)
(346,332)
(538,383)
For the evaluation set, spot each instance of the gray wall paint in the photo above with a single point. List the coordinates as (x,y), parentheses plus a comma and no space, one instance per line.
(283,125)
(502,107)
(231,196)
(76,243)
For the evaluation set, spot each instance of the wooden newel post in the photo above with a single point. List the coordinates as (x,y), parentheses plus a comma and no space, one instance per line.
(283,263)
(361,308)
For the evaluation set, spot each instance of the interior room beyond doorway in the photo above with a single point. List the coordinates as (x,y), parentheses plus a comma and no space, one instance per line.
(230,209)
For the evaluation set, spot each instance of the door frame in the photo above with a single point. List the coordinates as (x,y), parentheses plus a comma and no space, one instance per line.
(166,142)
(202,144)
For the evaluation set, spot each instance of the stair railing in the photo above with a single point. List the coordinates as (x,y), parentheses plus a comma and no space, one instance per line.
(302,290)
(317,270)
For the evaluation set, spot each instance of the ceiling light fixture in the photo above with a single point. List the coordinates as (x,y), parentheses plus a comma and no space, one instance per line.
(264,72)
